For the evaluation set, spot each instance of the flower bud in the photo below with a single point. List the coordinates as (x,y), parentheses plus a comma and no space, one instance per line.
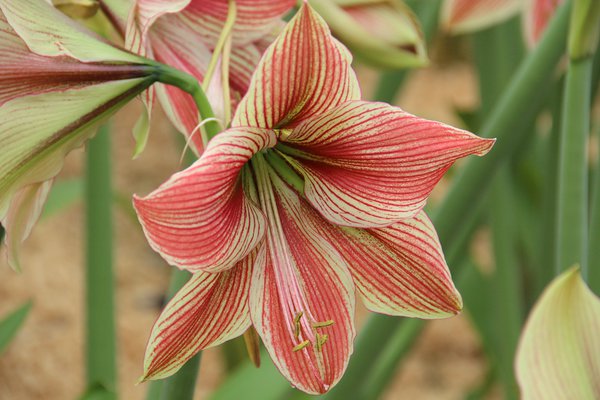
(77,9)
(384,33)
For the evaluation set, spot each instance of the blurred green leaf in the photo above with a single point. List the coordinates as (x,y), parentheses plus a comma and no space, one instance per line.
(11,324)
(63,194)
(97,391)
(251,383)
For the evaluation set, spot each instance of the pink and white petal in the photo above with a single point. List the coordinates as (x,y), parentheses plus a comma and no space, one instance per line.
(536,16)
(147,12)
(201,219)
(558,356)
(254,18)
(370,164)
(299,282)
(24,210)
(242,64)
(48,32)
(463,16)
(399,269)
(175,43)
(302,74)
(209,310)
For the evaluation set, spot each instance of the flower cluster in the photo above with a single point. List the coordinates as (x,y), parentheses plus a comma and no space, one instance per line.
(309,196)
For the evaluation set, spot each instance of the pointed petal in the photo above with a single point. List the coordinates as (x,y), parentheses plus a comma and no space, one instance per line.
(38,131)
(399,269)
(300,281)
(463,16)
(200,219)
(24,210)
(371,164)
(537,15)
(559,351)
(304,73)
(209,310)
(48,32)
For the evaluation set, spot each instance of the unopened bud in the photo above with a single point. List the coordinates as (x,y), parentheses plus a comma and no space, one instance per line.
(77,9)
(384,33)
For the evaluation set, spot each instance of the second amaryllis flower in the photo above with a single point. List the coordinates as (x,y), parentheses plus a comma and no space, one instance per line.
(311,195)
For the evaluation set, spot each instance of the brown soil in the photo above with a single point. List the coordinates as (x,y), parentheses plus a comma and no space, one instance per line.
(45,361)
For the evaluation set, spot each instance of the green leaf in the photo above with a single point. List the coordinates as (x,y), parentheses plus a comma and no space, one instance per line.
(11,324)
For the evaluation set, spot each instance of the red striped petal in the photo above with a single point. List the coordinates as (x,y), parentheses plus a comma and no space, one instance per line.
(209,310)
(200,219)
(254,18)
(302,299)
(400,269)
(463,16)
(537,15)
(371,164)
(304,73)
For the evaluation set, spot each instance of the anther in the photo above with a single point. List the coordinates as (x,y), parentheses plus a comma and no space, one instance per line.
(321,339)
(301,346)
(323,324)
(297,324)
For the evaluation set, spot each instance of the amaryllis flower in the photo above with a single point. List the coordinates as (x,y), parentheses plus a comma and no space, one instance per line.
(184,34)
(310,195)
(462,16)
(56,80)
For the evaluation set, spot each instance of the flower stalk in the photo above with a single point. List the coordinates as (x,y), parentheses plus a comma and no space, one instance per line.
(100,325)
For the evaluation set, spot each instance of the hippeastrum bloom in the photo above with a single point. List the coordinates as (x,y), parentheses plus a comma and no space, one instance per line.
(184,34)
(384,33)
(56,80)
(310,195)
(462,16)
(559,351)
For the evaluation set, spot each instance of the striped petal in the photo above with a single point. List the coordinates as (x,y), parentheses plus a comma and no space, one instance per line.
(304,73)
(48,32)
(559,352)
(209,310)
(39,130)
(371,164)
(463,16)
(537,14)
(200,219)
(23,212)
(302,296)
(399,269)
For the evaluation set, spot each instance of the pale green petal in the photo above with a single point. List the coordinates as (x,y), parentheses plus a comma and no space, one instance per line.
(48,32)
(559,353)
(38,131)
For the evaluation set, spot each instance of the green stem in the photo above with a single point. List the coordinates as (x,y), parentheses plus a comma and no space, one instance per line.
(520,101)
(594,250)
(100,326)
(189,84)
(572,222)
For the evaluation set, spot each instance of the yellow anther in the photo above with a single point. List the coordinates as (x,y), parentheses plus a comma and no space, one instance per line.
(323,324)
(321,339)
(301,346)
(297,324)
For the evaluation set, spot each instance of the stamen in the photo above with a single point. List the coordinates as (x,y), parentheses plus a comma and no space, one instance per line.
(321,339)
(301,346)
(323,324)
(297,324)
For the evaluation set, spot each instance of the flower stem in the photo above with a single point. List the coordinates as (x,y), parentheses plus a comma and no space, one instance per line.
(572,223)
(189,84)
(100,326)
